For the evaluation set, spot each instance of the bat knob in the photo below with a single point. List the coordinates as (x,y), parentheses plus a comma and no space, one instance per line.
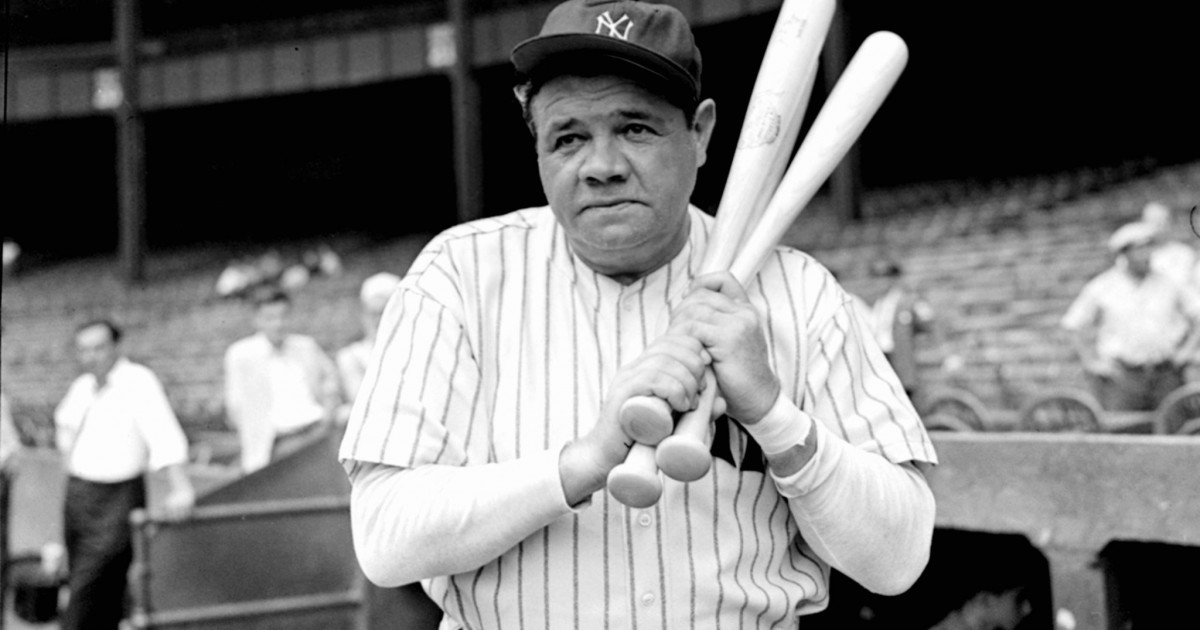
(683,458)
(647,419)
(636,482)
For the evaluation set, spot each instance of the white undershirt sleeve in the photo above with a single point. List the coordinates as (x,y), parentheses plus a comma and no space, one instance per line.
(411,524)
(868,517)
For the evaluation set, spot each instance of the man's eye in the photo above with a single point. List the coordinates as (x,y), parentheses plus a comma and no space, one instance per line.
(565,141)
(637,129)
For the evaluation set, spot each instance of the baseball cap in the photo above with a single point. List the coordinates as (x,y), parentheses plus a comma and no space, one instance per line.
(377,289)
(653,40)
(1131,234)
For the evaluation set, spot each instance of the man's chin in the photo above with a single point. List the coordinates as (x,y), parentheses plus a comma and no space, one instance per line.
(613,257)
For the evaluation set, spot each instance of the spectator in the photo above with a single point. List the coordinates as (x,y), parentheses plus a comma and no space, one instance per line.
(352,359)
(898,316)
(1171,257)
(12,252)
(1133,328)
(10,437)
(481,444)
(280,387)
(237,278)
(113,425)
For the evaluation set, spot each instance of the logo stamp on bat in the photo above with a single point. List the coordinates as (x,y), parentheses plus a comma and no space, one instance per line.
(763,125)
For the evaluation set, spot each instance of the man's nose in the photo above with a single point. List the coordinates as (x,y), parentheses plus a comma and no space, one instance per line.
(605,162)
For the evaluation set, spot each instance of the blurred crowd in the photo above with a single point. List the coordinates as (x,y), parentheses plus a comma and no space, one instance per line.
(115,424)
(1135,327)
(247,274)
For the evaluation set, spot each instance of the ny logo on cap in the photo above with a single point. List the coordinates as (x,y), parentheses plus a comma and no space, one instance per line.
(604,20)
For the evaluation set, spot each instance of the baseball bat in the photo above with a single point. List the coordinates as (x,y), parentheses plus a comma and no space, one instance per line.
(772,123)
(855,98)
(769,130)
(858,94)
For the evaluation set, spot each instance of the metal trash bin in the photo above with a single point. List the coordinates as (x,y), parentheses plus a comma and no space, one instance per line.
(35,592)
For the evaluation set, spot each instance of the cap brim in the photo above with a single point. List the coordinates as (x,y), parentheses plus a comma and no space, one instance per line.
(556,53)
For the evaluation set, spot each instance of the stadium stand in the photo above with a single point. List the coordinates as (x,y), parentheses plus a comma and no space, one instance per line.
(1000,263)
(999,268)
(175,324)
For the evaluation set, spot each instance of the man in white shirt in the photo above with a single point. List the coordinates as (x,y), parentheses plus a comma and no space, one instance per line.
(280,387)
(10,438)
(352,359)
(1133,327)
(114,424)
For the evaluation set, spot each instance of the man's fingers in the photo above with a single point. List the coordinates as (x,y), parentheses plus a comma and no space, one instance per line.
(684,350)
(721,282)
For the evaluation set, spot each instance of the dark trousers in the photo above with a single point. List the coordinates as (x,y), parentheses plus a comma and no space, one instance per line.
(99,542)
(1136,387)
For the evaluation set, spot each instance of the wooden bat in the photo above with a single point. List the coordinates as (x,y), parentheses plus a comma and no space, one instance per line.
(773,119)
(858,94)
(769,130)
(855,99)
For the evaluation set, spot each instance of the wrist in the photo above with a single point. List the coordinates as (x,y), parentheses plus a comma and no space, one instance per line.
(756,416)
(583,468)
(781,428)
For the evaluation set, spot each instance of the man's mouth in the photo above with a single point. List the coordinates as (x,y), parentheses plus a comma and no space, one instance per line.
(611,204)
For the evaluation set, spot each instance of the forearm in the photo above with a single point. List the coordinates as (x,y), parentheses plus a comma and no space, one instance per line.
(177,478)
(413,524)
(868,517)
(1189,347)
(1085,349)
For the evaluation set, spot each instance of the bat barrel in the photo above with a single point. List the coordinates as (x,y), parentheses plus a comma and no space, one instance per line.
(773,117)
(858,94)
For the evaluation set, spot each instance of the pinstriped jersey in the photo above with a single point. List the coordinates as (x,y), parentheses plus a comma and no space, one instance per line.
(501,344)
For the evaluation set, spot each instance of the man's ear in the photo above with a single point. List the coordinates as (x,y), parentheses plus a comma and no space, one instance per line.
(702,128)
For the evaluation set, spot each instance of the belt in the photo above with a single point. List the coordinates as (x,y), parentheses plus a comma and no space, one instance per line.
(1146,367)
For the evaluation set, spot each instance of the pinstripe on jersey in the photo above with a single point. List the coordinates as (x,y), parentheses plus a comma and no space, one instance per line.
(501,344)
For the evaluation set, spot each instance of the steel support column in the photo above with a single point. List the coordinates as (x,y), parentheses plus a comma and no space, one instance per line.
(468,145)
(131,181)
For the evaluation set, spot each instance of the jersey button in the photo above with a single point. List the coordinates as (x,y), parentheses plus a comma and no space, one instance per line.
(647,599)
(644,519)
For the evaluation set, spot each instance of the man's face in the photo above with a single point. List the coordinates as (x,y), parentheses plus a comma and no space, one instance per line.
(271,319)
(1138,257)
(95,350)
(618,165)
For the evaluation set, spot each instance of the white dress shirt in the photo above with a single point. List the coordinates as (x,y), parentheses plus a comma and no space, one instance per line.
(121,430)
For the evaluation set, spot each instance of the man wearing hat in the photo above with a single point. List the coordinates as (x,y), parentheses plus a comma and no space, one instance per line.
(487,424)
(352,359)
(1133,327)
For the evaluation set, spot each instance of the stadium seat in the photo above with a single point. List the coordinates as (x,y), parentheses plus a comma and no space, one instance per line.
(1061,411)
(953,409)
(1179,412)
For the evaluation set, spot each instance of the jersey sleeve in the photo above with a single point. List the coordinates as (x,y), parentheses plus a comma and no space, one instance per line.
(419,401)
(850,386)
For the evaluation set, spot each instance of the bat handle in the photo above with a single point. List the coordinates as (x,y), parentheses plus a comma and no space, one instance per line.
(647,419)
(685,454)
(635,481)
